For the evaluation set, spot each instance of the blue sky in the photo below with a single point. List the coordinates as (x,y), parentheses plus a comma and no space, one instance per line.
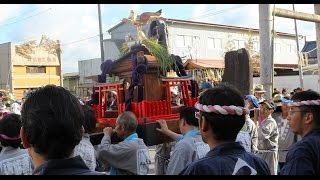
(72,24)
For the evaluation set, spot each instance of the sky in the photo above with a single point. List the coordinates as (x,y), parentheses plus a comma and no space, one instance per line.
(77,25)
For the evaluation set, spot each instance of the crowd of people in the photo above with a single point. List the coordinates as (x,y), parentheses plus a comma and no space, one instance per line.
(225,133)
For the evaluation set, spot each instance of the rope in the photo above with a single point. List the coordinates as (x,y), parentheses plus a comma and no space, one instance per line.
(224,110)
(305,103)
(5,137)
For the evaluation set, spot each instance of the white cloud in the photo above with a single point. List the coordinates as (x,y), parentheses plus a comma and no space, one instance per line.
(74,22)
(68,23)
(199,10)
(248,16)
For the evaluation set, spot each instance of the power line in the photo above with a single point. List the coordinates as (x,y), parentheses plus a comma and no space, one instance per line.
(27,17)
(72,42)
(23,13)
(218,12)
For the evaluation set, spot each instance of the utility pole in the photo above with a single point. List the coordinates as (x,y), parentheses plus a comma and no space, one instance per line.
(317,11)
(58,51)
(298,53)
(101,34)
(266,64)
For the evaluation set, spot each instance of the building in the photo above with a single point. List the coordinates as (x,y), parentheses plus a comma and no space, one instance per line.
(71,82)
(199,40)
(88,71)
(309,51)
(27,66)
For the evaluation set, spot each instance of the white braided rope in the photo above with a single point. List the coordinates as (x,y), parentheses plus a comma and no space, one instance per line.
(305,103)
(224,110)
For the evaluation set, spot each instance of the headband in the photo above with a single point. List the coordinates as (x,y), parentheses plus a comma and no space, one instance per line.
(224,110)
(305,103)
(5,137)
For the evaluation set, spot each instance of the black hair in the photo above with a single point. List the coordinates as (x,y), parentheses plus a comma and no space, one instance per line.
(188,114)
(224,127)
(52,120)
(89,123)
(305,96)
(10,126)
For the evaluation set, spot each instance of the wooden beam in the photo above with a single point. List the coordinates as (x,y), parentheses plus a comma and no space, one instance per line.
(296,15)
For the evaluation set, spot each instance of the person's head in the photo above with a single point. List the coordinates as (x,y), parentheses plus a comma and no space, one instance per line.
(259,91)
(126,124)
(284,91)
(266,108)
(253,101)
(299,89)
(222,113)
(52,121)
(187,119)
(284,104)
(304,114)
(89,123)
(10,130)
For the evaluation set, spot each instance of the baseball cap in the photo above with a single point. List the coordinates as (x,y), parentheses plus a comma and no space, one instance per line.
(285,100)
(270,104)
(253,99)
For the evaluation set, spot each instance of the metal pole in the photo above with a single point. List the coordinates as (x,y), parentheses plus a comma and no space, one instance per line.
(101,34)
(265,48)
(299,59)
(317,11)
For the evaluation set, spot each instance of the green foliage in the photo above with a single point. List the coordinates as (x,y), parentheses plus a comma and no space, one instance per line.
(161,54)
(124,49)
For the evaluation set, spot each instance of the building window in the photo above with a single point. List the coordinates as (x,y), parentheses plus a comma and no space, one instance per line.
(239,44)
(292,49)
(35,69)
(180,41)
(277,47)
(214,43)
(186,41)
(255,45)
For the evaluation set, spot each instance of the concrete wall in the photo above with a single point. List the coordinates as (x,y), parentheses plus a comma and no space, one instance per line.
(90,67)
(292,82)
(111,51)
(121,31)
(4,64)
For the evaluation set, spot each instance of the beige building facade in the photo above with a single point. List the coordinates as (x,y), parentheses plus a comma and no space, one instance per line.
(28,66)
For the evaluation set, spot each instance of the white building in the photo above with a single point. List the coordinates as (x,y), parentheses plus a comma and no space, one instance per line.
(209,41)
(88,71)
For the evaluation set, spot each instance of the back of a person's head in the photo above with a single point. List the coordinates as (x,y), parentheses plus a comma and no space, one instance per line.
(52,121)
(188,114)
(10,127)
(129,120)
(224,127)
(306,96)
(89,123)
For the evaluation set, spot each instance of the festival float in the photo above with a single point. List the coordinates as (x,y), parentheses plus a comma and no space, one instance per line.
(144,80)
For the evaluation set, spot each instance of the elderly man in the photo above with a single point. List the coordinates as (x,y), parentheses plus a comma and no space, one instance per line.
(129,157)
(268,135)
